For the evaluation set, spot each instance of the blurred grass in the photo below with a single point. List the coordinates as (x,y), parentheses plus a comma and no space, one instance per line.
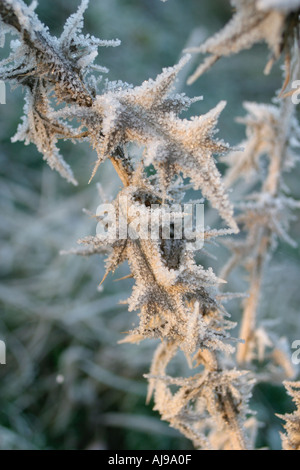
(67,383)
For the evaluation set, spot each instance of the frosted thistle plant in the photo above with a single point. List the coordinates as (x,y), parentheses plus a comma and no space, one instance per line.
(177,300)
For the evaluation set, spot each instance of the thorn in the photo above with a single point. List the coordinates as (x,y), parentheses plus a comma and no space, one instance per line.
(104,277)
(129,276)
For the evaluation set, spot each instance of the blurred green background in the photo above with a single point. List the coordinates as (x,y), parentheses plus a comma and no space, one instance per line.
(67,383)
